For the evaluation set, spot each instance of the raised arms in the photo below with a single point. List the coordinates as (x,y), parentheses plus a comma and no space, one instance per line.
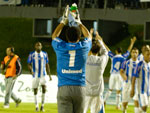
(58,30)
(131,43)
(85,31)
(63,22)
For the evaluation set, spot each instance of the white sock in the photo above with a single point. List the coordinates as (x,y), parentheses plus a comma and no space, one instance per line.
(107,95)
(118,100)
(136,110)
(36,102)
(140,110)
(43,99)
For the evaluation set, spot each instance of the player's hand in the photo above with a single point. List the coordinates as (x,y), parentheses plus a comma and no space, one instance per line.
(98,36)
(65,16)
(125,77)
(32,73)
(132,93)
(15,77)
(133,39)
(77,19)
(91,31)
(2,65)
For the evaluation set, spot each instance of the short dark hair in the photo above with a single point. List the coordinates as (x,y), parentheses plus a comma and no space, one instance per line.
(135,49)
(73,34)
(119,50)
(38,43)
(12,49)
(95,46)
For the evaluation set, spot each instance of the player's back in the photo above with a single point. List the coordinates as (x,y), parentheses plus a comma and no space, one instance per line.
(117,60)
(71,60)
(95,67)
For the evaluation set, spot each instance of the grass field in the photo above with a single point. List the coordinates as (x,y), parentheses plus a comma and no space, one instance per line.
(52,108)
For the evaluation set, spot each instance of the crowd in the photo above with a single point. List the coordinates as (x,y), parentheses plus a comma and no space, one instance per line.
(117,4)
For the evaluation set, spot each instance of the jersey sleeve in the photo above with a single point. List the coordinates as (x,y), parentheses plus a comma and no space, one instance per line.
(125,55)
(29,61)
(137,70)
(103,50)
(56,42)
(111,54)
(18,67)
(87,42)
(123,65)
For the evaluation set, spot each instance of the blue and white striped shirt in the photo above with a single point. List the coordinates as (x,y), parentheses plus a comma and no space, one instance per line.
(140,57)
(129,67)
(38,61)
(143,75)
(117,61)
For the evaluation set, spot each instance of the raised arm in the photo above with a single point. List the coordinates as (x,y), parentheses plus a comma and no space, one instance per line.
(58,30)
(85,31)
(131,43)
(63,22)
(100,38)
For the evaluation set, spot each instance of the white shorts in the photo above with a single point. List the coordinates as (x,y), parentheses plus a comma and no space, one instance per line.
(94,102)
(126,93)
(115,82)
(143,99)
(37,81)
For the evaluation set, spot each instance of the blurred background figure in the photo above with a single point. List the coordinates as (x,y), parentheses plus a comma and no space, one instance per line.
(11,67)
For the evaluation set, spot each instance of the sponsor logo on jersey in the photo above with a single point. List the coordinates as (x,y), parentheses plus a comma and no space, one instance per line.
(71,71)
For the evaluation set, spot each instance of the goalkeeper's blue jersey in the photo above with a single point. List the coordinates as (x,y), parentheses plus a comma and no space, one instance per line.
(71,61)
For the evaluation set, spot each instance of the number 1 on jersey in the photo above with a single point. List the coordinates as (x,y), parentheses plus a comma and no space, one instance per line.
(72,58)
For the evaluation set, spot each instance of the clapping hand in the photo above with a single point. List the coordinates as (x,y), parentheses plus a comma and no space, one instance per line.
(65,16)
(77,19)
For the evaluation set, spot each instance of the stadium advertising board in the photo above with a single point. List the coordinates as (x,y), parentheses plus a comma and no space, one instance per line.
(144,0)
(23,89)
(10,2)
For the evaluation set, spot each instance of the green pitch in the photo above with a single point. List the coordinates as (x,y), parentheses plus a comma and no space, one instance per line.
(52,108)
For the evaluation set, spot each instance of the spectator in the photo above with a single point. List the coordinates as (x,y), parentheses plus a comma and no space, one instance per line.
(110,3)
(25,2)
(12,68)
(134,4)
